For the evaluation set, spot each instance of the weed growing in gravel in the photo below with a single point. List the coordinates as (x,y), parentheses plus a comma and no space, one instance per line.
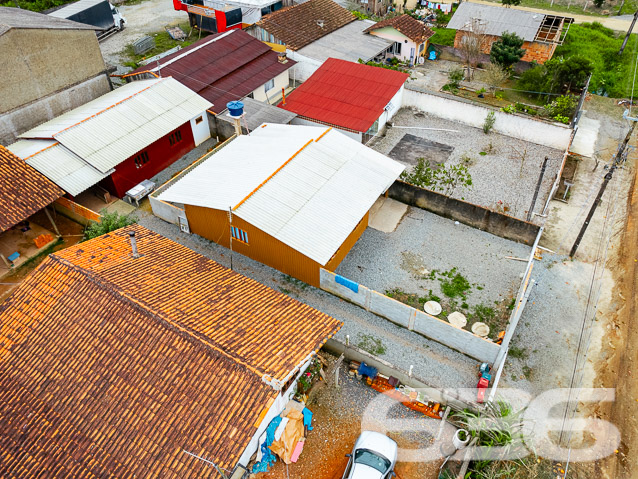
(455,287)
(510,306)
(527,371)
(295,282)
(285,291)
(372,345)
(518,353)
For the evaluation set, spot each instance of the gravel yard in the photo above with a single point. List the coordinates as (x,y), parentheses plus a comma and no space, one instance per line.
(338,418)
(504,170)
(144,18)
(415,257)
(435,364)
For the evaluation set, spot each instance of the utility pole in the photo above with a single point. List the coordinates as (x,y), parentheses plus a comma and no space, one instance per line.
(631,27)
(608,176)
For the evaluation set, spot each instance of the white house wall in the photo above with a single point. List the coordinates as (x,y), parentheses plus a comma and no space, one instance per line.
(201,130)
(396,103)
(274,411)
(554,135)
(281,81)
(303,121)
(304,68)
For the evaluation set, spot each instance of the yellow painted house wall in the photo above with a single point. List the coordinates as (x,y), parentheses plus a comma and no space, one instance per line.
(214,225)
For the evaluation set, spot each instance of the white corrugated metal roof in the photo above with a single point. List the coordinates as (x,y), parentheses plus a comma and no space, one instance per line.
(497,20)
(229,175)
(52,127)
(313,203)
(57,163)
(117,125)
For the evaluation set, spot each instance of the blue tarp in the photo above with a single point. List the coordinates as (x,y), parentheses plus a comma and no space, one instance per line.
(268,458)
(307,418)
(347,283)
(366,370)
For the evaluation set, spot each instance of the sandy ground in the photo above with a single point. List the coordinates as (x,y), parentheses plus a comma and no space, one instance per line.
(142,19)
(547,354)
(338,419)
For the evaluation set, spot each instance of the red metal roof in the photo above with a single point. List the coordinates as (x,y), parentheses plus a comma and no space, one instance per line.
(222,67)
(345,94)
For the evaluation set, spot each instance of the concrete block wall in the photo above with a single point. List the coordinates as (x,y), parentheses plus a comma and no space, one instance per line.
(410,318)
(554,135)
(470,214)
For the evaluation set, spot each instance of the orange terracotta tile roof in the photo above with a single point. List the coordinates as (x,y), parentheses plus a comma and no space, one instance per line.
(302,24)
(412,28)
(113,366)
(23,190)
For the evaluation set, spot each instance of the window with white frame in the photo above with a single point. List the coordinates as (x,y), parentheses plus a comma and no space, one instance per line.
(270,84)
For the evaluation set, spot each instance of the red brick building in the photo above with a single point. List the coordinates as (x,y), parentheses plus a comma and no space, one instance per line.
(542,33)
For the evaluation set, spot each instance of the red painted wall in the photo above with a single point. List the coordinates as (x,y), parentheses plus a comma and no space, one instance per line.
(161,154)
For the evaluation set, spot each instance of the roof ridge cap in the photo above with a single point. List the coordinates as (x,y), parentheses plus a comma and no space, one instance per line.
(159,80)
(183,331)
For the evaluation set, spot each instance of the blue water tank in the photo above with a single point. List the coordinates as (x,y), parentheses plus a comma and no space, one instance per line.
(235,108)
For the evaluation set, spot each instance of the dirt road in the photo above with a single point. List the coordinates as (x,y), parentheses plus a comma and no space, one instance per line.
(615,23)
(144,18)
(623,360)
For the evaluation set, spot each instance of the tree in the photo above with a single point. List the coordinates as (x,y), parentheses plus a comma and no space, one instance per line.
(472,45)
(109,222)
(509,3)
(495,76)
(507,51)
(438,178)
(569,74)
(558,75)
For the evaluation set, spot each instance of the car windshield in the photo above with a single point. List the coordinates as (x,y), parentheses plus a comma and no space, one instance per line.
(363,456)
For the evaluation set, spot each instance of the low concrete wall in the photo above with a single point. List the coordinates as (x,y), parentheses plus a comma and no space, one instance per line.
(165,211)
(17,121)
(478,217)
(443,396)
(410,318)
(75,211)
(554,135)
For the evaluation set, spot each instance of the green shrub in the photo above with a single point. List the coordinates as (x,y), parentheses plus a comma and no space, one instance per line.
(455,76)
(562,106)
(109,222)
(509,109)
(488,124)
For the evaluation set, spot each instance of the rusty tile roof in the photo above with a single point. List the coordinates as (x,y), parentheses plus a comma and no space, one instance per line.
(407,25)
(112,366)
(301,24)
(23,190)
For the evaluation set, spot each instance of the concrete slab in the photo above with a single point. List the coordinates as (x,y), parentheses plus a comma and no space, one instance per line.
(122,207)
(410,148)
(386,214)
(585,139)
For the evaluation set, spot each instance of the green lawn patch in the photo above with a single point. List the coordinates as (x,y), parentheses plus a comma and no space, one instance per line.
(613,73)
(443,36)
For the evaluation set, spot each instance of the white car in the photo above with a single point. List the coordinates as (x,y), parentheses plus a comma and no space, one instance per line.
(373,457)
